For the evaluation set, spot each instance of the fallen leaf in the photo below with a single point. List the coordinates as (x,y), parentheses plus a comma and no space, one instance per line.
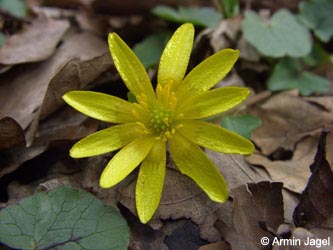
(75,74)
(35,43)
(11,159)
(285,121)
(254,204)
(221,245)
(29,87)
(236,170)
(293,173)
(316,203)
(66,124)
(181,198)
(11,133)
(183,235)
(300,236)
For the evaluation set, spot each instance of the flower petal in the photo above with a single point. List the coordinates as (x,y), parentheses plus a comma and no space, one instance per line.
(130,68)
(215,137)
(208,73)
(150,182)
(125,161)
(106,140)
(213,102)
(194,163)
(100,106)
(175,57)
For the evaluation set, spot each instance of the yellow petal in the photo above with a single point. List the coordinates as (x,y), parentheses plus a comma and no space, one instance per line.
(150,182)
(130,68)
(100,106)
(125,161)
(208,73)
(194,163)
(213,102)
(215,137)
(175,57)
(106,140)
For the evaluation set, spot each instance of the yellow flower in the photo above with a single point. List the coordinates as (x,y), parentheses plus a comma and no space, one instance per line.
(169,116)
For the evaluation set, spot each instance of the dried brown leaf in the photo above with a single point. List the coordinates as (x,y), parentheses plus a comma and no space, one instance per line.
(11,159)
(315,209)
(253,204)
(301,236)
(35,43)
(181,198)
(11,133)
(221,245)
(24,92)
(236,170)
(286,119)
(294,173)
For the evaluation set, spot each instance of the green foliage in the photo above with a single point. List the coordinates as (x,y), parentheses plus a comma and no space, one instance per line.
(150,49)
(289,74)
(131,97)
(317,15)
(317,56)
(15,7)
(2,39)
(230,8)
(281,36)
(64,218)
(242,124)
(200,16)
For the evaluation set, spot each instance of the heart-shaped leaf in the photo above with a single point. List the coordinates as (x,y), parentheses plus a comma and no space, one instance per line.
(150,49)
(203,16)
(288,74)
(241,124)
(15,7)
(64,218)
(280,36)
(317,15)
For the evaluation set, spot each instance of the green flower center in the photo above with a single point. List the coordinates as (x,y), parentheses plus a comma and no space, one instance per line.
(160,122)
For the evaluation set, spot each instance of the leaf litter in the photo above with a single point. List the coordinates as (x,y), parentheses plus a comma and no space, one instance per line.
(265,188)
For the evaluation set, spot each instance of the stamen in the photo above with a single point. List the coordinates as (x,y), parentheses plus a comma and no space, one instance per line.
(142,100)
(159,91)
(179,126)
(166,121)
(142,125)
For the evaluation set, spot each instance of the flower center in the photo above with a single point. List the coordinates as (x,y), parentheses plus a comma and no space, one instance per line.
(159,119)
(160,123)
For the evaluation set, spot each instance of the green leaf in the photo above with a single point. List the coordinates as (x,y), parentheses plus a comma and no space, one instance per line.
(200,16)
(150,49)
(230,8)
(242,124)
(2,39)
(317,15)
(64,218)
(317,56)
(288,74)
(281,36)
(15,7)
(131,97)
